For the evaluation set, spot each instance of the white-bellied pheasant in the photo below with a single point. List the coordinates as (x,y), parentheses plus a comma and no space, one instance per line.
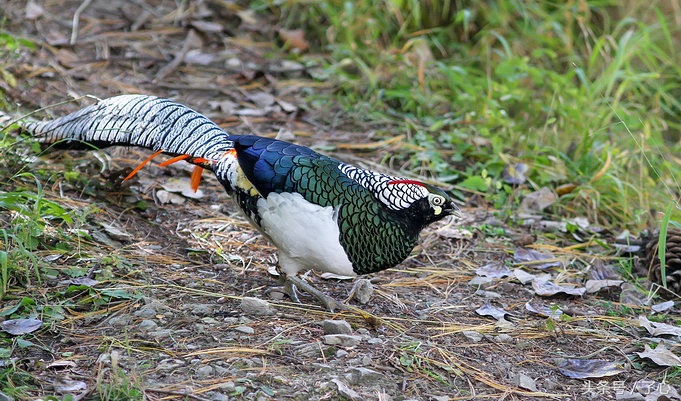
(319,212)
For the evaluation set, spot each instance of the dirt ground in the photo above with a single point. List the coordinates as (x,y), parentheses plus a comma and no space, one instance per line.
(173,270)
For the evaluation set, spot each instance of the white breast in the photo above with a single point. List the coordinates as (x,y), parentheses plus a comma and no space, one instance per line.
(306,234)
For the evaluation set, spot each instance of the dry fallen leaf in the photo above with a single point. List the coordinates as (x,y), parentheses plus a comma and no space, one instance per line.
(294,39)
(61,364)
(489,310)
(525,277)
(535,259)
(116,233)
(86,281)
(553,313)
(659,329)
(261,99)
(546,288)
(494,270)
(597,285)
(515,173)
(65,385)
(590,368)
(18,327)
(538,200)
(183,186)
(632,295)
(34,10)
(660,355)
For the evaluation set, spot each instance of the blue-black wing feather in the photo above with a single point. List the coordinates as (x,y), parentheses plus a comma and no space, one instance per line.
(268,163)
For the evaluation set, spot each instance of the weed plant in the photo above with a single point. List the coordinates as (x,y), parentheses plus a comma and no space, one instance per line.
(585,92)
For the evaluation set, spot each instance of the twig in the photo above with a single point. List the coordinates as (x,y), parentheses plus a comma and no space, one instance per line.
(180,393)
(190,41)
(76,19)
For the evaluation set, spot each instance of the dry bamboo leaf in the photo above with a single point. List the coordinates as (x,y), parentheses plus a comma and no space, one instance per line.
(565,189)
(590,368)
(662,307)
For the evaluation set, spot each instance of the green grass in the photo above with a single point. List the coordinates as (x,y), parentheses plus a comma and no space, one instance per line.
(584,92)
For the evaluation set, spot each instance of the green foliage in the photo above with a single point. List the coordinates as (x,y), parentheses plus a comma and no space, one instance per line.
(118,386)
(585,92)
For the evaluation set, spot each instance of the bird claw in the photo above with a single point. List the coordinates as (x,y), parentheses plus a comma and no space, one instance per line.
(294,283)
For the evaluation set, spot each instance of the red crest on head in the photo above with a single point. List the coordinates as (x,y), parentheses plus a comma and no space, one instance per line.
(414,182)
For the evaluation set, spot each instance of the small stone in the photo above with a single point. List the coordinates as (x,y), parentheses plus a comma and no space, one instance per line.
(341,353)
(228,387)
(120,321)
(375,340)
(147,325)
(163,333)
(169,364)
(215,396)
(204,372)
(525,381)
(257,307)
(336,327)
(504,338)
(488,294)
(363,290)
(314,350)
(472,335)
(245,329)
(344,340)
(147,311)
(4,397)
(482,282)
(346,391)
(200,309)
(209,320)
(629,396)
(364,376)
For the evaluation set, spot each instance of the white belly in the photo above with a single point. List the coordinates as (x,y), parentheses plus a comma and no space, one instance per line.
(306,234)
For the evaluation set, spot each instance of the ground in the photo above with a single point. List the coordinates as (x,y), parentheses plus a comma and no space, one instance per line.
(165,319)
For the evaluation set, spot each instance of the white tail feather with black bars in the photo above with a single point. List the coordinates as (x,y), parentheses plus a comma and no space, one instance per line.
(137,120)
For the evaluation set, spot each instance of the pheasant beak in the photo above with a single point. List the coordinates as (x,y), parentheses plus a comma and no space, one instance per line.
(450,208)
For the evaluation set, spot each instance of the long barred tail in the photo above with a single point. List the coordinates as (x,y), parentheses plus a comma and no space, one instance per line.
(146,121)
(136,120)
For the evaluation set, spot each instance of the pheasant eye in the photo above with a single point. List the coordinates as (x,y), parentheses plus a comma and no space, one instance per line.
(437,201)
